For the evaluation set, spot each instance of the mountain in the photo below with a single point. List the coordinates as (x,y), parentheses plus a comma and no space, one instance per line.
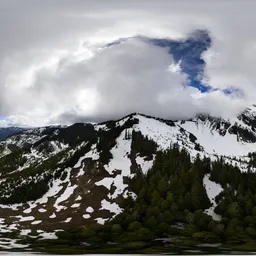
(57,178)
(7,131)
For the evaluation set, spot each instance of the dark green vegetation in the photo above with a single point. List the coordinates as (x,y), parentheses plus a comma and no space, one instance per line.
(142,145)
(170,204)
(35,180)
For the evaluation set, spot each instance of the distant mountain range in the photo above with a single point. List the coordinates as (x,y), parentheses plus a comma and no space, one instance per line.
(7,131)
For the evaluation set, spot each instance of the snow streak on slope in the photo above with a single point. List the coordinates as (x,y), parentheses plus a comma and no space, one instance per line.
(212,190)
(36,156)
(164,135)
(112,207)
(120,153)
(93,153)
(22,139)
(144,164)
(214,143)
(157,131)
(121,162)
(66,194)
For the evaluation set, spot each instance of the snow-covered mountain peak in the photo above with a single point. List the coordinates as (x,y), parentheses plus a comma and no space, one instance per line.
(204,135)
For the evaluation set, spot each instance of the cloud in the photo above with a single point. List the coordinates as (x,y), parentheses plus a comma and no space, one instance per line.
(54,67)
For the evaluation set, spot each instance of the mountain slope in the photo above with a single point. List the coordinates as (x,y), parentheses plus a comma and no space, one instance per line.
(58,177)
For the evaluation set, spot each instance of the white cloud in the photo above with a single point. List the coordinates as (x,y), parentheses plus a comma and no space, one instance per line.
(53,67)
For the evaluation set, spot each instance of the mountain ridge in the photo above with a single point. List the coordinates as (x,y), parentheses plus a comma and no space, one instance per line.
(57,177)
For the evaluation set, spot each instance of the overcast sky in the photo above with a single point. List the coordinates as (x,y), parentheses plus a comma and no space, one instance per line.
(55,66)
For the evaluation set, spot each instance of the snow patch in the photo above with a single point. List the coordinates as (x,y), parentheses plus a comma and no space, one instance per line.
(158,131)
(121,162)
(106,182)
(89,209)
(144,164)
(120,153)
(25,232)
(36,222)
(79,198)
(76,205)
(93,153)
(112,207)
(86,216)
(66,194)
(101,220)
(68,220)
(42,210)
(50,235)
(28,210)
(212,190)
(28,218)
(52,216)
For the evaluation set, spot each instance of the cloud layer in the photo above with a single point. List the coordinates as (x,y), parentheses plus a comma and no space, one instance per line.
(55,66)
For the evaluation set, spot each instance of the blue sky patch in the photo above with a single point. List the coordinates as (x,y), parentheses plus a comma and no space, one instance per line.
(188,53)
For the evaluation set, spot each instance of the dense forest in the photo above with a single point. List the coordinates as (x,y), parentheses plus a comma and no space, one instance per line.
(171,200)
